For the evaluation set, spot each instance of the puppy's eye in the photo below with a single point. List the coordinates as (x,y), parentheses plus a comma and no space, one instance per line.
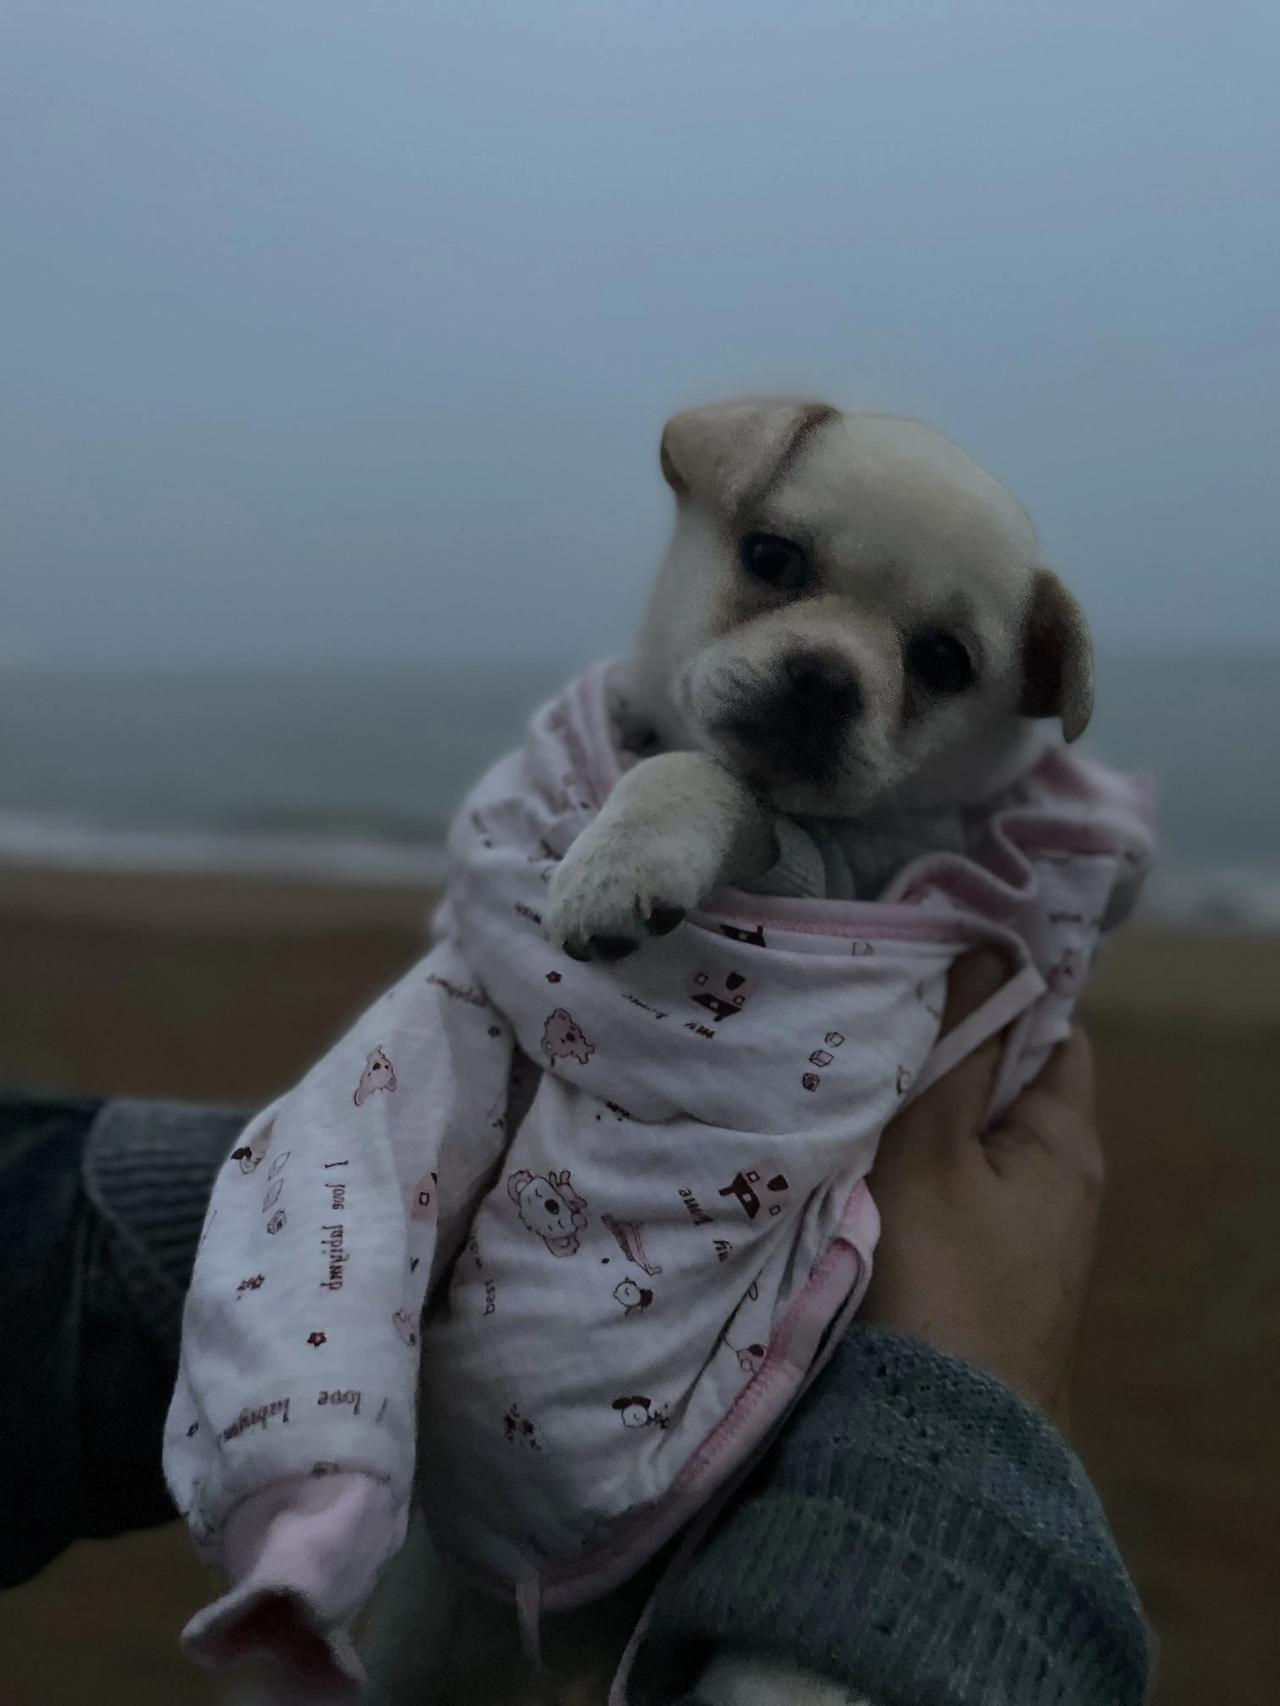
(778,562)
(939,662)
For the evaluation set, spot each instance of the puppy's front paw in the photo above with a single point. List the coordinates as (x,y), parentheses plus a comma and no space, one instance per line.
(613,890)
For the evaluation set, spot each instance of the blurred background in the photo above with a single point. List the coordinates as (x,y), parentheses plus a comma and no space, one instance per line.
(337,345)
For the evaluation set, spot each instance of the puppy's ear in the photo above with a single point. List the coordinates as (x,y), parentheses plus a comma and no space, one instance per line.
(723,453)
(1057,657)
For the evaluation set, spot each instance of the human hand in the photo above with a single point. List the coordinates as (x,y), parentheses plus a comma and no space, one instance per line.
(989,1235)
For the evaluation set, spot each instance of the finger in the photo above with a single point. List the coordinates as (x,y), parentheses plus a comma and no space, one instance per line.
(972,981)
(956,1106)
(953,1110)
(1056,1113)
(1067,1075)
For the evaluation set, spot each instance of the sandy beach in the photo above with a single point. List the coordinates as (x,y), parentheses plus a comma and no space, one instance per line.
(221,989)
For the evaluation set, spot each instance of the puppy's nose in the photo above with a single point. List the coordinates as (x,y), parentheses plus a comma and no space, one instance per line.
(798,726)
(821,685)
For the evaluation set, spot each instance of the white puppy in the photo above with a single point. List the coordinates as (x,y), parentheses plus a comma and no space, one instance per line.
(852,623)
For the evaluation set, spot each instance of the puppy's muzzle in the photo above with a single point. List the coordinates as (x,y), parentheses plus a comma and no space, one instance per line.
(796,728)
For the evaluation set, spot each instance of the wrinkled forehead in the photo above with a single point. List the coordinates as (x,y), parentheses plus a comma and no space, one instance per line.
(888,501)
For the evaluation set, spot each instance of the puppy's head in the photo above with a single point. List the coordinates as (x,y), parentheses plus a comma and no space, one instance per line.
(852,613)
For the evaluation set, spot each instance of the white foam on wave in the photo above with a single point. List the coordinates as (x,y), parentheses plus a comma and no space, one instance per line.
(1212,896)
(69,844)
(1217,897)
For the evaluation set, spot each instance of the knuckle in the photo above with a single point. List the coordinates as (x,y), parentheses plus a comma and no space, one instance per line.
(1089,1163)
(1093,1172)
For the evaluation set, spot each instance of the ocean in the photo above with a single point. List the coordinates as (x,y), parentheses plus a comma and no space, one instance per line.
(355,773)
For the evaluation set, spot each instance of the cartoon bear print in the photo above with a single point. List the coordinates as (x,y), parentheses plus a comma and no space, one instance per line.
(564,1039)
(633,1297)
(640,1413)
(550,1208)
(378,1074)
(517,1429)
(722,996)
(250,1155)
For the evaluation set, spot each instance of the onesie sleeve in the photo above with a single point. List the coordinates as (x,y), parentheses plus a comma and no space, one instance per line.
(290,1439)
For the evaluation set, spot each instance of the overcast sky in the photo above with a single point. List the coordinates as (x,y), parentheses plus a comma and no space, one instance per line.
(346,330)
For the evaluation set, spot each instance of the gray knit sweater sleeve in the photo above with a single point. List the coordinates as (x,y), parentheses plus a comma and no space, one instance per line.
(919,1535)
(100,1212)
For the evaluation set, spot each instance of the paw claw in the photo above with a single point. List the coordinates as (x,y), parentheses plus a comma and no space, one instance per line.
(614,947)
(601,948)
(664,919)
(612,893)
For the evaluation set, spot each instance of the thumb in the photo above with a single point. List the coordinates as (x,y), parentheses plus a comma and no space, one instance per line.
(954,1108)
(972,981)
(1056,1115)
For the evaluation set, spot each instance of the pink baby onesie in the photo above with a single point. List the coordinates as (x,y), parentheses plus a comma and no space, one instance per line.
(632,1196)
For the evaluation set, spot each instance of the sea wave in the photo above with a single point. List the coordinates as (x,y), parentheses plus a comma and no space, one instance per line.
(1203,896)
(70,844)
(1212,897)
